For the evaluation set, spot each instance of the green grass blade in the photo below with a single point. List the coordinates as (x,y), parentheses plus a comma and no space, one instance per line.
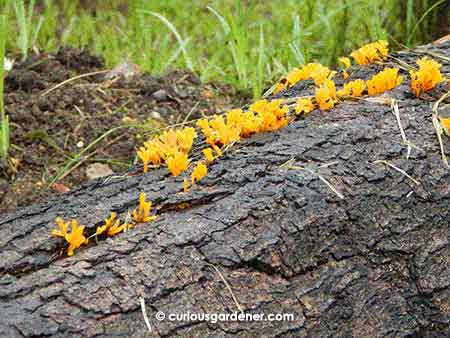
(36,31)
(19,9)
(410,36)
(29,16)
(4,137)
(223,22)
(259,73)
(4,120)
(296,42)
(180,40)
(175,54)
(409,20)
(3,34)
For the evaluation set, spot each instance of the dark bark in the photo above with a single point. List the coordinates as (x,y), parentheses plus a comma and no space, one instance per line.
(374,264)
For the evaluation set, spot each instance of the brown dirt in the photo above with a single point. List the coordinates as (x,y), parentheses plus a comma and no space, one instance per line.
(49,130)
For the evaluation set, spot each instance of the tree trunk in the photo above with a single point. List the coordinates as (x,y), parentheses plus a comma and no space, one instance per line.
(256,236)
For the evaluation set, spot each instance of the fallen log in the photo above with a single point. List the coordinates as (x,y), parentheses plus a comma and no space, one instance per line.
(339,220)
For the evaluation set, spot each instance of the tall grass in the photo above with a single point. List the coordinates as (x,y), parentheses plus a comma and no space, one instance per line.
(4,121)
(181,42)
(246,44)
(411,31)
(28,32)
(236,38)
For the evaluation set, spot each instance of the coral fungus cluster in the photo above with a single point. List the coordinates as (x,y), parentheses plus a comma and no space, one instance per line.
(353,88)
(326,95)
(304,106)
(143,213)
(314,71)
(383,81)
(75,237)
(111,227)
(426,77)
(262,116)
(372,52)
(173,146)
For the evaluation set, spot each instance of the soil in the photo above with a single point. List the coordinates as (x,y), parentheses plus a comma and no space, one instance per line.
(51,129)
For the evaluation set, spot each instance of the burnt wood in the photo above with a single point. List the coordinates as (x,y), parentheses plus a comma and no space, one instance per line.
(373,264)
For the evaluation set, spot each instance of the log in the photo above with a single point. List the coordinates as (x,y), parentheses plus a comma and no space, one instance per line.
(351,246)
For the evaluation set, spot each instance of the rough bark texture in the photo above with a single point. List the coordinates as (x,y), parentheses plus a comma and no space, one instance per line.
(374,264)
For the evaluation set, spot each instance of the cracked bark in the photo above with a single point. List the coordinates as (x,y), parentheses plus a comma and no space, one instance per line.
(374,264)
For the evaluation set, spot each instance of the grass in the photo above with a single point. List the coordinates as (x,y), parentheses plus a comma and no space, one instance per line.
(247,46)
(28,32)
(4,120)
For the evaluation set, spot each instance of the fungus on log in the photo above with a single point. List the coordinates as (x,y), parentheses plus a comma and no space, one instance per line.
(355,245)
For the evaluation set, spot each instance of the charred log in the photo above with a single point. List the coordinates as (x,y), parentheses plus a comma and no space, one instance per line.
(257,236)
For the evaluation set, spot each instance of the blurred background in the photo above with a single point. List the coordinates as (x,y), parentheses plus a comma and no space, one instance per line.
(243,43)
